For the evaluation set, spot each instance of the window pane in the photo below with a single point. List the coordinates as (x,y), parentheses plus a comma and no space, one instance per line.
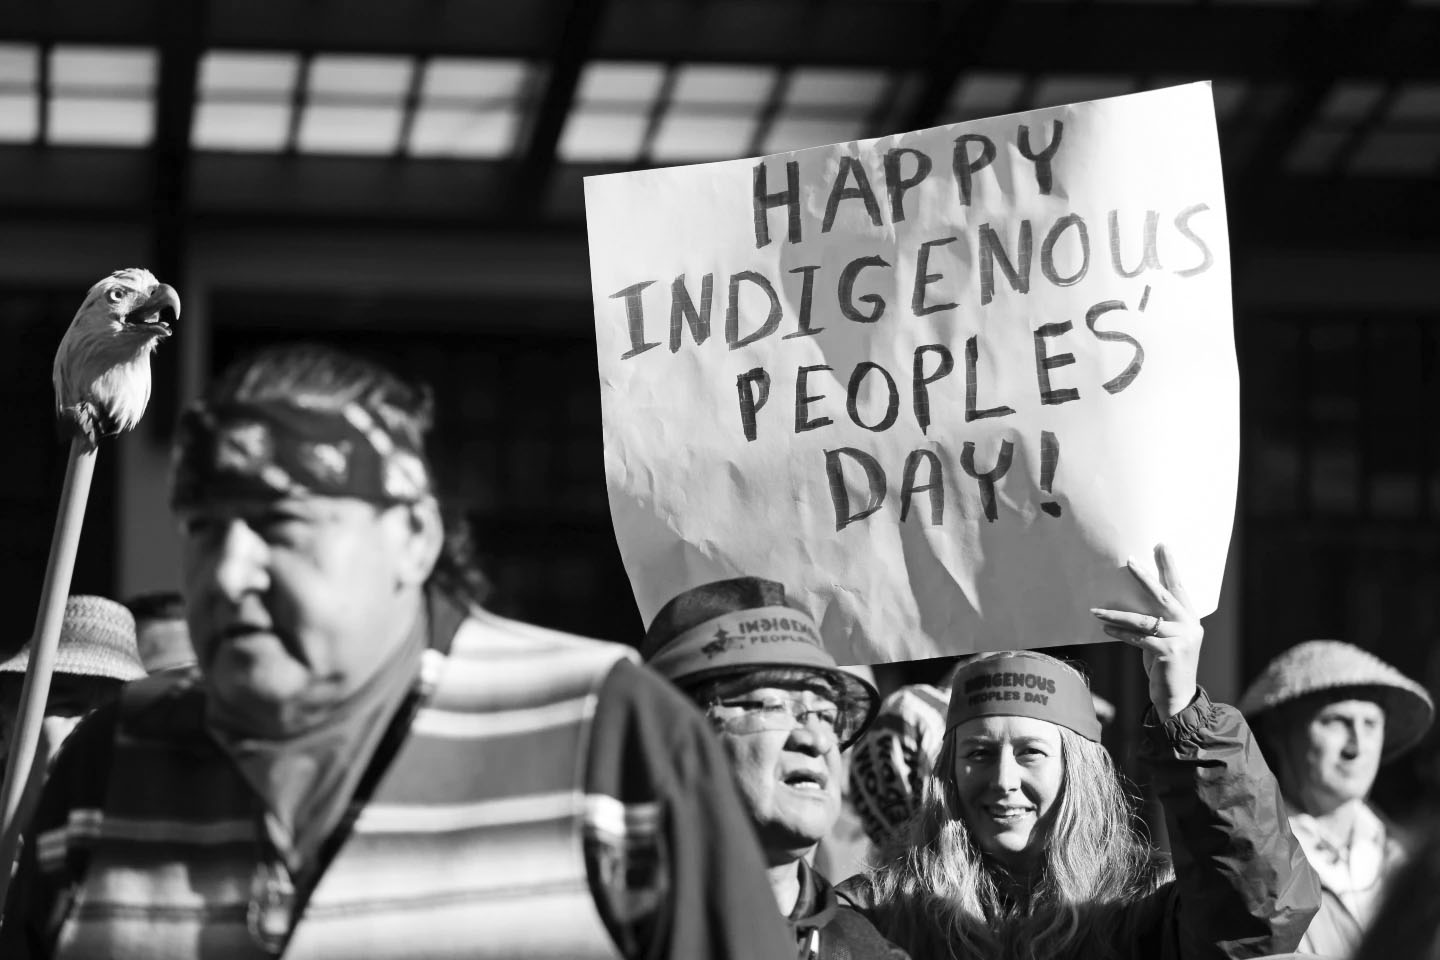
(371,78)
(19,117)
(474,81)
(241,126)
(702,137)
(797,133)
(857,90)
(1417,101)
(463,133)
(101,121)
(599,135)
(617,82)
(984,95)
(262,75)
(742,87)
(1398,153)
(19,63)
(360,130)
(1350,100)
(93,69)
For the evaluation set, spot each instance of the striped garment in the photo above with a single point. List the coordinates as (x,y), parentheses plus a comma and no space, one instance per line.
(471,845)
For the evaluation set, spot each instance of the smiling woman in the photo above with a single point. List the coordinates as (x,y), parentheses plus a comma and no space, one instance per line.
(1024,821)
(1025,845)
(1008,774)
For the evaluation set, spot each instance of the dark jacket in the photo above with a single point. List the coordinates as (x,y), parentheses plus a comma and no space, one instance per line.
(844,932)
(1242,885)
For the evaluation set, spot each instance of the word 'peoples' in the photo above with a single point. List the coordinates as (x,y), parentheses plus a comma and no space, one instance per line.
(990,253)
(931,363)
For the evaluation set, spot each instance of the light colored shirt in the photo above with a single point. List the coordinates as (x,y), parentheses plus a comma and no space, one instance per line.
(1352,871)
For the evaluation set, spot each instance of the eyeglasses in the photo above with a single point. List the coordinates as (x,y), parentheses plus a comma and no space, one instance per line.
(787,713)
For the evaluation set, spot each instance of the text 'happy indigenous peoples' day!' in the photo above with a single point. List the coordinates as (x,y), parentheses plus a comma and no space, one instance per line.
(942,381)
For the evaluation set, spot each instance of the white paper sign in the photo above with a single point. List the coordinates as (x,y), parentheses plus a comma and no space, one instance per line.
(939,384)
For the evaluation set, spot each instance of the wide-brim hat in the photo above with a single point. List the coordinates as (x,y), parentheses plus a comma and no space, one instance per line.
(97,639)
(745,625)
(1344,671)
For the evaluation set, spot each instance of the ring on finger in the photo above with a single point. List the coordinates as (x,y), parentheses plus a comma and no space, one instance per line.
(1154,630)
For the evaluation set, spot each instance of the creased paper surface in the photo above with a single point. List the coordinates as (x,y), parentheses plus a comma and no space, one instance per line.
(939,384)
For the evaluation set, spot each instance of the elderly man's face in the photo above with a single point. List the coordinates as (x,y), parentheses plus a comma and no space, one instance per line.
(294,604)
(1339,753)
(789,772)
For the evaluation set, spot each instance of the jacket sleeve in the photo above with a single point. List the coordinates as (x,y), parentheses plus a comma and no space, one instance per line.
(1242,887)
(41,888)
(675,865)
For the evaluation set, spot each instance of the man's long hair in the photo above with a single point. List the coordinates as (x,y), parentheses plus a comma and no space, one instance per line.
(938,895)
(325,378)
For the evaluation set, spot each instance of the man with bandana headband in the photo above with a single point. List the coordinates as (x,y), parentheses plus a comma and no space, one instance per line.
(368,764)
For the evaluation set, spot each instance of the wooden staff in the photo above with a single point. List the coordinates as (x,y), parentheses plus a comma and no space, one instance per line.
(102,386)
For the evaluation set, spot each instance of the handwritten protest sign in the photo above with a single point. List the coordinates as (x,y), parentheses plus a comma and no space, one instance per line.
(940,384)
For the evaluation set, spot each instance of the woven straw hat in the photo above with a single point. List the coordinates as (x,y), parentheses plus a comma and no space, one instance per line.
(1331,666)
(97,639)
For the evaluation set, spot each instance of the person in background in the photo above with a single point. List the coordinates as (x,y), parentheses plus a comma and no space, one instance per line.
(784,711)
(846,849)
(1327,715)
(95,657)
(161,633)
(891,762)
(367,763)
(1025,845)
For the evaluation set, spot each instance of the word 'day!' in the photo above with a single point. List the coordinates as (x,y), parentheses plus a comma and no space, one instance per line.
(941,384)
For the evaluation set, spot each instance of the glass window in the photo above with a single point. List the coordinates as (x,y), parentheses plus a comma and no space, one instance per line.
(101,96)
(611,113)
(470,108)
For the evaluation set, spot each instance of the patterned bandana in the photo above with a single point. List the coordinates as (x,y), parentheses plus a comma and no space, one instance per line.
(271,449)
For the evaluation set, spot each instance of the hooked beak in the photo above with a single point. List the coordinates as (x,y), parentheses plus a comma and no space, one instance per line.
(162,304)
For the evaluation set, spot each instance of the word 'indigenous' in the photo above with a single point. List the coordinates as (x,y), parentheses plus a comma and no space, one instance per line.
(784,624)
(997,259)
(1031,681)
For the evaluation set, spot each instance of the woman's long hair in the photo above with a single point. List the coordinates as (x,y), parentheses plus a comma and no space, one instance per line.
(939,896)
